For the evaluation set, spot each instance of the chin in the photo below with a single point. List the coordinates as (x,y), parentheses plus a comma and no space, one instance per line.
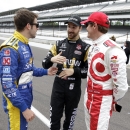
(70,37)
(88,36)
(33,36)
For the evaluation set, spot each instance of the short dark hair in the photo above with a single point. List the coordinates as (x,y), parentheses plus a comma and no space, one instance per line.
(113,38)
(101,29)
(23,17)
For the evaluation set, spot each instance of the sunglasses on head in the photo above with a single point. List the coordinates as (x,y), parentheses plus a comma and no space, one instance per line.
(36,24)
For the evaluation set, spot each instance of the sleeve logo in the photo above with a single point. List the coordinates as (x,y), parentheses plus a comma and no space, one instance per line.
(6,61)
(7,52)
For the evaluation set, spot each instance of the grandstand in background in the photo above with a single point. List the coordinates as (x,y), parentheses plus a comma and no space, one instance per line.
(53,15)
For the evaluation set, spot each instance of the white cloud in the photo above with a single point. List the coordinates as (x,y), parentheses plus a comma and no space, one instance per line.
(6,5)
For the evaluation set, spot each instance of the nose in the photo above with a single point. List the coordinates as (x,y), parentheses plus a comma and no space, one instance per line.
(70,29)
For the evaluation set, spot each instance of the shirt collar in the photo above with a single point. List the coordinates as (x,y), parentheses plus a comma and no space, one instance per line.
(73,41)
(20,37)
(101,39)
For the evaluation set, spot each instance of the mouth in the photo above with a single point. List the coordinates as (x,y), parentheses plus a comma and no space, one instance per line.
(71,33)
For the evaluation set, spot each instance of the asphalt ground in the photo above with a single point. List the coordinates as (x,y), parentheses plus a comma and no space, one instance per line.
(42,91)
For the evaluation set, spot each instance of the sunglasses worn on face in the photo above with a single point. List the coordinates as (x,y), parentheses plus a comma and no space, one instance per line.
(36,24)
(86,25)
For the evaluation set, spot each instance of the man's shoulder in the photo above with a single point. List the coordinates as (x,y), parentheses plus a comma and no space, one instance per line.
(84,42)
(109,43)
(62,40)
(11,43)
(58,42)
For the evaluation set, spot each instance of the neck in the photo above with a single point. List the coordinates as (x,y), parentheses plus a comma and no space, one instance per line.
(97,36)
(24,34)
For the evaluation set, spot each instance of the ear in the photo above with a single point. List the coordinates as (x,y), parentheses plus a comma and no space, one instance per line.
(80,28)
(28,26)
(95,25)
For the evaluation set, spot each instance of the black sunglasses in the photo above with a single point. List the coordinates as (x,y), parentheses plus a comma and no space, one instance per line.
(37,24)
(86,25)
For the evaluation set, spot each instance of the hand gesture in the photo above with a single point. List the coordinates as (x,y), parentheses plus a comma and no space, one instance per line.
(52,70)
(65,73)
(28,115)
(58,59)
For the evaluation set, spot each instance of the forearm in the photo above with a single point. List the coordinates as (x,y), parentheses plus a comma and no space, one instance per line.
(46,63)
(38,72)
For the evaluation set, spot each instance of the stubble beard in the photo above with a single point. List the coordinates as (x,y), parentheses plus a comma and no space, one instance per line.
(71,35)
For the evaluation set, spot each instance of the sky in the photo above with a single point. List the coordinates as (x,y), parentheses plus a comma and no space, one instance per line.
(6,5)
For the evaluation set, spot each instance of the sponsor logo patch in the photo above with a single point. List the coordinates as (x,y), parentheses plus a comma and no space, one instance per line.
(78,47)
(71,86)
(6,61)
(7,53)
(77,52)
(6,69)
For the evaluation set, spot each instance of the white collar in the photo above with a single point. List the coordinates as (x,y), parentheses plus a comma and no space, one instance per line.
(101,39)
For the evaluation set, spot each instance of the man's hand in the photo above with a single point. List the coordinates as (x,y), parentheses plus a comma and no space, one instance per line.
(28,115)
(52,70)
(65,73)
(113,107)
(58,59)
(117,107)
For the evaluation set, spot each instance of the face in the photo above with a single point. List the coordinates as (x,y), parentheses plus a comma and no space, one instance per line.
(91,30)
(73,30)
(34,28)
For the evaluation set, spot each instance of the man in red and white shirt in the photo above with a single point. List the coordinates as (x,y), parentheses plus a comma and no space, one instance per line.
(107,78)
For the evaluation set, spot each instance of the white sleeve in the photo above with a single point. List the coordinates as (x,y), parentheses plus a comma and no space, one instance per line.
(116,61)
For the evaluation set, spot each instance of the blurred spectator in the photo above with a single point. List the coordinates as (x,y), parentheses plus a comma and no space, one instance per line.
(113,38)
(126,48)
